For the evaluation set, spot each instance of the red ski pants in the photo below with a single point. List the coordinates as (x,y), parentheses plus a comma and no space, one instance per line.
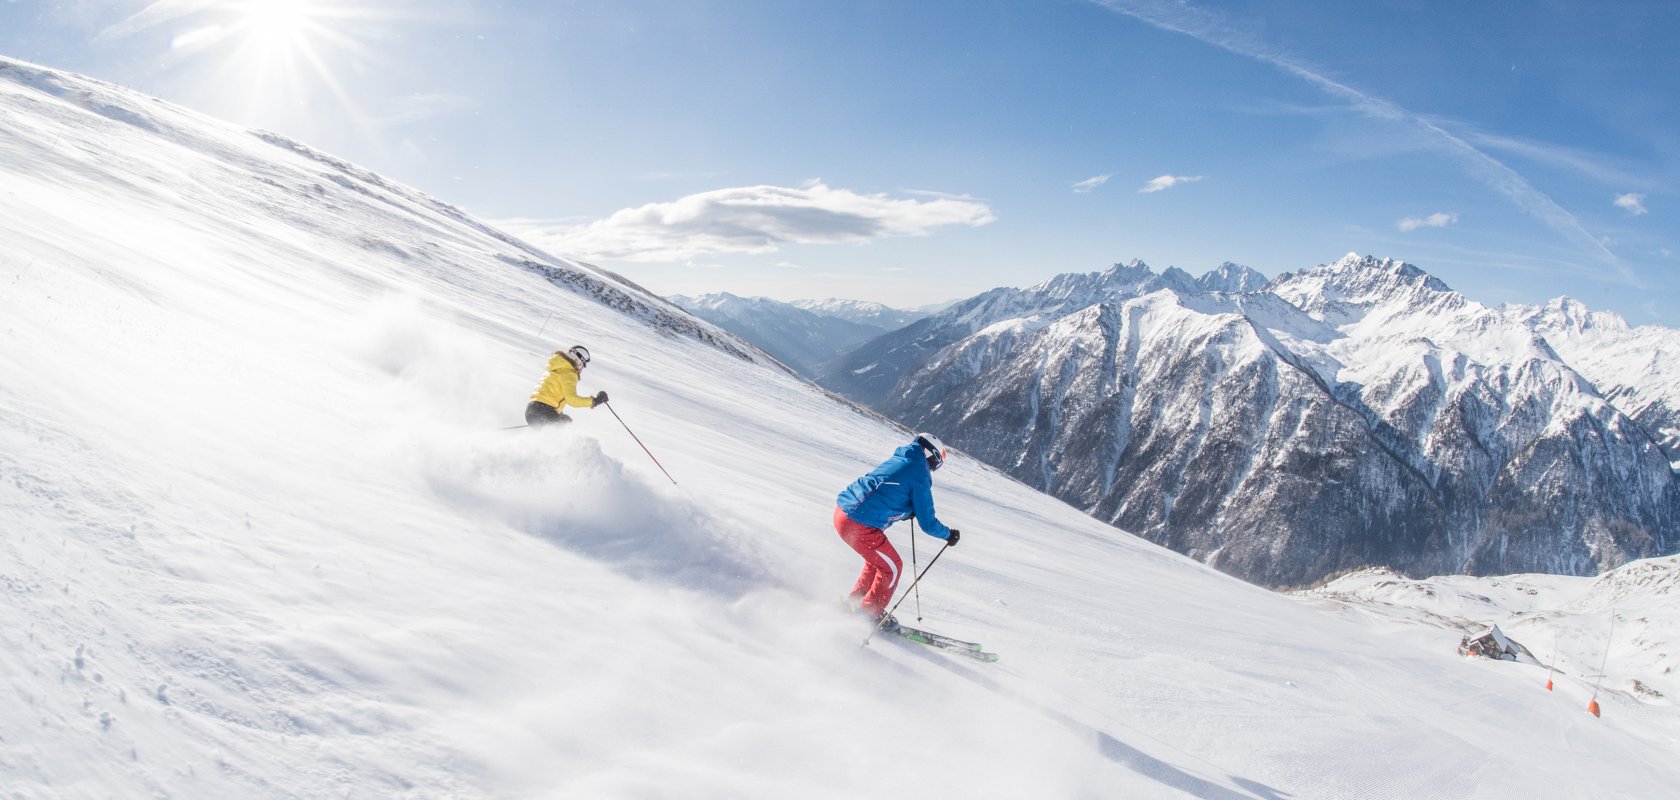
(881,564)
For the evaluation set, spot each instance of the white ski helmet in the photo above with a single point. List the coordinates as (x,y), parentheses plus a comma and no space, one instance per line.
(580,355)
(934,448)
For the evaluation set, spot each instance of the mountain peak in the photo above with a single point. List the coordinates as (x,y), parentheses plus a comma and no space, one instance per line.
(1180,280)
(1363,281)
(1129,278)
(1566,316)
(837,302)
(712,301)
(1401,269)
(1232,277)
(1576,314)
(1131,270)
(866,312)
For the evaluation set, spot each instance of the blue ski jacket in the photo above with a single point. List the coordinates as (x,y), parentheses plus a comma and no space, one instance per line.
(902,487)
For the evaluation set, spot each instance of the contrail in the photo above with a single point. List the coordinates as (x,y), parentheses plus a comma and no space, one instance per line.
(1207,27)
(152,15)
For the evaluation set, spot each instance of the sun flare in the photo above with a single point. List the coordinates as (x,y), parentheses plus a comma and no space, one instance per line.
(264,62)
(283,52)
(278,24)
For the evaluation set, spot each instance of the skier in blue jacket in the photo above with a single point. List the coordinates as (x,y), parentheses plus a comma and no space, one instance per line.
(901,488)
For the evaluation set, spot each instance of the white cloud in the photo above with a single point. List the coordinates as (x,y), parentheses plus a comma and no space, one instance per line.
(751,219)
(1439,219)
(1632,202)
(1091,183)
(1167,182)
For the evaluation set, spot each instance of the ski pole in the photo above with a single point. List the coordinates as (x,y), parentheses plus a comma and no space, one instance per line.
(639,441)
(914,567)
(906,594)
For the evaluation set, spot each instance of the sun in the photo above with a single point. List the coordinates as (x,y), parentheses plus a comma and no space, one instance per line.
(267,62)
(287,54)
(279,22)
(277,27)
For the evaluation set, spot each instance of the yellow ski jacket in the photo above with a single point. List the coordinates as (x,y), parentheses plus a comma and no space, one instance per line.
(560,387)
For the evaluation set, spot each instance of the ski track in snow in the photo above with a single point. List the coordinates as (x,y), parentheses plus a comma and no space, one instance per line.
(264,537)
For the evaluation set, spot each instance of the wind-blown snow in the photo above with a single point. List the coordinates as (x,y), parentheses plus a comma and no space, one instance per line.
(264,537)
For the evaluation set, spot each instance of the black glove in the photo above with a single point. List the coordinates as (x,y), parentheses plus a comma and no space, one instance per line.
(600,399)
(951,541)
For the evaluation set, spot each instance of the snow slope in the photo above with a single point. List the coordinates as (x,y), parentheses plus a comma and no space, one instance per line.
(263,537)
(1566,621)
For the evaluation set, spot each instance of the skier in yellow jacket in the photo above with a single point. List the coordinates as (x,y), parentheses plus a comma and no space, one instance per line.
(559,389)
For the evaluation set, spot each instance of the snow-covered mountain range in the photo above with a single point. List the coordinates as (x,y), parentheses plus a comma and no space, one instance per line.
(876,315)
(870,372)
(1354,414)
(806,334)
(1635,368)
(263,535)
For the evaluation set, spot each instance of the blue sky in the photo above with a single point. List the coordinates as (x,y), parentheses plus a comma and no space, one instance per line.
(911,152)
